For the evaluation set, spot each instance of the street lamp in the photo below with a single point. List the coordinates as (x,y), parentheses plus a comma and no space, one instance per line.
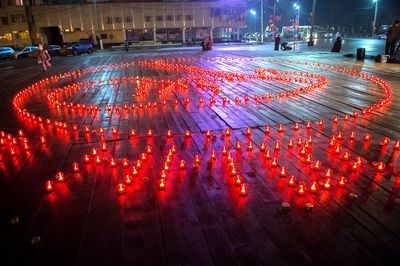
(262,20)
(297,7)
(374,23)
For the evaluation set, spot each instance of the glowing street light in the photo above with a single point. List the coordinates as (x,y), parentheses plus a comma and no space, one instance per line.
(253,13)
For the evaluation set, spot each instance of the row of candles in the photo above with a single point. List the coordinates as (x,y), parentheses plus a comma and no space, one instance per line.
(22,97)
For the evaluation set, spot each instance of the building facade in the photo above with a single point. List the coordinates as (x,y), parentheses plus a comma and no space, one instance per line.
(55,22)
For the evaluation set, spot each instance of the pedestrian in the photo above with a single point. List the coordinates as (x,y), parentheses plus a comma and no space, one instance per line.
(392,38)
(44,57)
(277,42)
(337,45)
(126,45)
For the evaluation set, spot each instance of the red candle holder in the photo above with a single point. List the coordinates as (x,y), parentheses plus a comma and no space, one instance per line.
(301,190)
(49,186)
(243,190)
(128,180)
(121,188)
(60,177)
(162,184)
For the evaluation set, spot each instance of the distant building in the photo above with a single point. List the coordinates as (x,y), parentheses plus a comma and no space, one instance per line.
(55,21)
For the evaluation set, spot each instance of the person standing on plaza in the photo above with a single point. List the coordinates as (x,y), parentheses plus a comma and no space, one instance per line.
(126,46)
(44,57)
(337,45)
(392,38)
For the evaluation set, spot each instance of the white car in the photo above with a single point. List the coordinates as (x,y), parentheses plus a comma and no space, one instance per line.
(381,36)
(24,52)
(6,51)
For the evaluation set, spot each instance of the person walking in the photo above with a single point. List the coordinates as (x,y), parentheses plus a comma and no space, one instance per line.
(392,38)
(44,57)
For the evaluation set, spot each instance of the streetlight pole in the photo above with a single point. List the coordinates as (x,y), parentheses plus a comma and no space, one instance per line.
(374,23)
(311,41)
(262,21)
(296,26)
(98,24)
(253,12)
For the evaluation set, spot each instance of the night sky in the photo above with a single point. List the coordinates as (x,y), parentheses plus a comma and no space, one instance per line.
(337,12)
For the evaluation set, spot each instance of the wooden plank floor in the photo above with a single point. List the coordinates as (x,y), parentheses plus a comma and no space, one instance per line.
(201,218)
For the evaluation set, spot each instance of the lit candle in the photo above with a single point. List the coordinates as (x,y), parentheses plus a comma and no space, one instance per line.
(274,162)
(290,143)
(134,172)
(277,146)
(262,147)
(327,184)
(86,158)
(250,147)
(238,180)
(182,164)
(238,145)
(213,155)
(49,186)
(243,190)
(342,181)
(120,188)
(248,131)
(75,167)
(128,180)
(161,184)
(60,177)
(267,130)
(292,181)
(282,172)
(317,165)
(380,166)
(313,187)
(301,190)
(169,134)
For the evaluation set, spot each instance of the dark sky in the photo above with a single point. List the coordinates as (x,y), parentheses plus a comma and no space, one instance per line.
(335,12)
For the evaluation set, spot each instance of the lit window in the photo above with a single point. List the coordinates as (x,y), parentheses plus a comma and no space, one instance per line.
(19,2)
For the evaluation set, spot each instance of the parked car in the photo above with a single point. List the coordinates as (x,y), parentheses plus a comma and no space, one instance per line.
(323,35)
(381,36)
(52,49)
(77,48)
(22,53)
(6,51)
